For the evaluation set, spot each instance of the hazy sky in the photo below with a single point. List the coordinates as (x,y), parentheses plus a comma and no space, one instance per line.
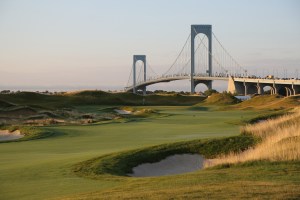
(89,43)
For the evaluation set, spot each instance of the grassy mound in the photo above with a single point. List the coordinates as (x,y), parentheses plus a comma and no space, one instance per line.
(274,102)
(221,99)
(122,163)
(83,93)
(95,98)
(4,104)
(17,111)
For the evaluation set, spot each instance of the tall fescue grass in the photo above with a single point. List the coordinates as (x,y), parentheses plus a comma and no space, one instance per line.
(280,141)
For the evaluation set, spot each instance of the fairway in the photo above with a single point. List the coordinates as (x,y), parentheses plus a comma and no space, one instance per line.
(172,109)
(41,169)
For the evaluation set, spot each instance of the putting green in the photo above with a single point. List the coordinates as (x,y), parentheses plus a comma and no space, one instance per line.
(40,169)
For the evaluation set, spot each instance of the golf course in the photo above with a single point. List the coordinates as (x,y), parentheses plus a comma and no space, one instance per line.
(89,152)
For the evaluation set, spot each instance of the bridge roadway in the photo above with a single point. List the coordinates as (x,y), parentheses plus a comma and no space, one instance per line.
(239,85)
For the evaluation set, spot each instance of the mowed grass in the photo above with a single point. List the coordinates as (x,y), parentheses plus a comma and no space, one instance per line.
(41,169)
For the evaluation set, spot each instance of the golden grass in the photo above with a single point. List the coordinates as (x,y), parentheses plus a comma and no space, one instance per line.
(275,102)
(280,141)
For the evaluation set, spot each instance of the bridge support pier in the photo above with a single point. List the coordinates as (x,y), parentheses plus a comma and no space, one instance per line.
(288,91)
(272,91)
(195,30)
(135,59)
(245,88)
(259,88)
(235,87)
(295,89)
(275,89)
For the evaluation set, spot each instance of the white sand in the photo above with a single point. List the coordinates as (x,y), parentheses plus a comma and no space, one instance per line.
(5,135)
(123,112)
(175,164)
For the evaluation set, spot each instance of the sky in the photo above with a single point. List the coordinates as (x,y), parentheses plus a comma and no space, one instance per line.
(89,44)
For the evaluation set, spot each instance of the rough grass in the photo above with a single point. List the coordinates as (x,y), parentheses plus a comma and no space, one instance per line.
(266,116)
(273,102)
(95,98)
(39,109)
(280,141)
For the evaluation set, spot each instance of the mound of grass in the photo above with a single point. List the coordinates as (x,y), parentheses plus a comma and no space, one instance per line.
(266,116)
(95,98)
(221,99)
(96,93)
(274,102)
(121,163)
(34,99)
(4,104)
(18,111)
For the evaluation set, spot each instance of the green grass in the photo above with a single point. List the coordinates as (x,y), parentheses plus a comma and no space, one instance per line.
(253,180)
(43,168)
(33,99)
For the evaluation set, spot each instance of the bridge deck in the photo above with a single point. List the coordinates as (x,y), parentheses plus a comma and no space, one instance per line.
(212,78)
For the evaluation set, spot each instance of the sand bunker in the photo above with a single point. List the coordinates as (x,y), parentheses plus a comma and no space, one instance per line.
(175,164)
(123,112)
(5,135)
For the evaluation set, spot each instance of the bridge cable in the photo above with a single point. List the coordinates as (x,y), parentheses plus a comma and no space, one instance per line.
(178,55)
(229,54)
(211,54)
(130,76)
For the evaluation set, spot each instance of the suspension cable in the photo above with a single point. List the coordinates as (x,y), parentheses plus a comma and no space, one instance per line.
(178,55)
(228,53)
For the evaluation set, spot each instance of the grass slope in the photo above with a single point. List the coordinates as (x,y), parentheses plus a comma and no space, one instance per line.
(94,98)
(273,102)
(221,99)
(253,180)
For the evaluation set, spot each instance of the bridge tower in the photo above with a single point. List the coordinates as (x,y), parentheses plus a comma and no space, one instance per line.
(135,59)
(206,30)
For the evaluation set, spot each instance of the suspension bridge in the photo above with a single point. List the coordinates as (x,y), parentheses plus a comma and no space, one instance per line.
(202,60)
